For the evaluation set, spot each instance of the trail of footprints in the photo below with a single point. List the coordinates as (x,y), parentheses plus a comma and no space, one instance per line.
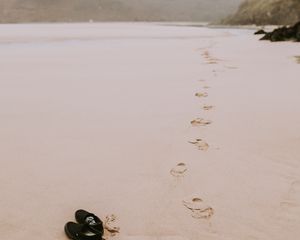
(198,208)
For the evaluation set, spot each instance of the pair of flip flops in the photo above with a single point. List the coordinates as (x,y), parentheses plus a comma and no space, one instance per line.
(88,227)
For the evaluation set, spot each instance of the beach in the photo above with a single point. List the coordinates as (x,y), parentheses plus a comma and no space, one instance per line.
(181,132)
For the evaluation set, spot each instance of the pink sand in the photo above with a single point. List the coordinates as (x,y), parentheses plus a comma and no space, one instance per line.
(95,116)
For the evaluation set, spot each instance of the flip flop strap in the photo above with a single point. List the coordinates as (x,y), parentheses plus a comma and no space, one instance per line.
(94,224)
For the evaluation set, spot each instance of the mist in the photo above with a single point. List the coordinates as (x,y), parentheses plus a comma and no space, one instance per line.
(115,10)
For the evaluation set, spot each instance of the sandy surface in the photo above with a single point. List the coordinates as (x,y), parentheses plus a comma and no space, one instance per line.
(97,116)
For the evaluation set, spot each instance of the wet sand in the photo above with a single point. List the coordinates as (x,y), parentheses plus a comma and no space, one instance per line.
(181,132)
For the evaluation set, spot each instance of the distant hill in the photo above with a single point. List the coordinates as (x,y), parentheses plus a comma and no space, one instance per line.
(114,10)
(264,12)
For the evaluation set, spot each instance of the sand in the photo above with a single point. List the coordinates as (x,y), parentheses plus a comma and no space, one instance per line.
(98,116)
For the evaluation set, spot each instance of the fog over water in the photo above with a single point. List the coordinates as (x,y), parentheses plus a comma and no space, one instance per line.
(115,10)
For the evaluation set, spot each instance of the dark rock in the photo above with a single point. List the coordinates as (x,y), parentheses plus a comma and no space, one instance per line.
(261,31)
(267,36)
(283,34)
(297,26)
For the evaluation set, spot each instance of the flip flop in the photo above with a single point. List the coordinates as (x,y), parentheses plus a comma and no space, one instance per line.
(94,223)
(80,232)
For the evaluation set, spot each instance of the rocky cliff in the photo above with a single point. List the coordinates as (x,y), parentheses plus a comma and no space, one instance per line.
(264,12)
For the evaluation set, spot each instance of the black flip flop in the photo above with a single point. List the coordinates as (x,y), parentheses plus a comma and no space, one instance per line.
(91,220)
(80,232)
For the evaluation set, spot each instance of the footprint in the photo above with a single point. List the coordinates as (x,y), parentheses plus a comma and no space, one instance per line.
(110,225)
(206,54)
(201,94)
(200,122)
(199,208)
(194,203)
(208,107)
(212,61)
(209,59)
(205,213)
(179,170)
(200,144)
